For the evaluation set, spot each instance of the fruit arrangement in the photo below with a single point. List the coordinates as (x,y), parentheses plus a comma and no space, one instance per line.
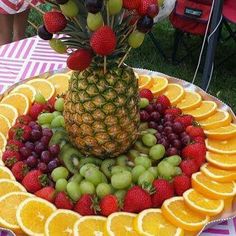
(172,167)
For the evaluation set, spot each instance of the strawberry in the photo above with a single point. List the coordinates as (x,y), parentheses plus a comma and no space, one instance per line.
(195,151)
(34,181)
(47,193)
(10,158)
(173,111)
(79,59)
(185,120)
(103,41)
(51,103)
(62,201)
(164,101)
(22,133)
(84,206)
(19,170)
(54,21)
(199,139)
(146,93)
(181,184)
(188,167)
(35,110)
(163,191)
(23,119)
(143,7)
(12,131)
(194,131)
(136,200)
(14,145)
(131,4)
(108,205)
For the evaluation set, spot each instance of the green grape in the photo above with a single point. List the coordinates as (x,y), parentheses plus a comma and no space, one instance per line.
(70,9)
(94,21)
(141,148)
(153,170)
(165,170)
(120,194)
(143,126)
(149,140)
(39,98)
(87,187)
(144,161)
(151,131)
(157,152)
(178,171)
(136,39)
(133,154)
(92,160)
(59,104)
(73,189)
(58,46)
(58,122)
(103,189)
(121,180)
(86,167)
(174,160)
(122,160)
(104,178)
(136,172)
(106,166)
(76,178)
(118,169)
(143,102)
(61,185)
(45,118)
(114,6)
(145,178)
(94,176)
(56,113)
(46,126)
(59,173)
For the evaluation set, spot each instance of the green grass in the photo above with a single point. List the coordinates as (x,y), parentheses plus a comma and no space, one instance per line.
(223,83)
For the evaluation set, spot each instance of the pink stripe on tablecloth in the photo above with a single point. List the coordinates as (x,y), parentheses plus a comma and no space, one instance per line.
(28,49)
(42,59)
(5,64)
(4,50)
(52,66)
(23,44)
(43,68)
(34,69)
(7,72)
(217,231)
(26,70)
(224,223)
(13,49)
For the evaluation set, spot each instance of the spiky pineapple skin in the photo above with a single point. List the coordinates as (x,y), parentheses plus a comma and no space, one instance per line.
(101,111)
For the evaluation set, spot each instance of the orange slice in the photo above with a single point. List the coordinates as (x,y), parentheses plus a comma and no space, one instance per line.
(19,101)
(145,81)
(222,146)
(179,214)
(206,109)
(3,141)
(190,101)
(218,174)
(9,112)
(159,84)
(28,90)
(60,82)
(8,186)
(32,214)
(199,203)
(1,162)
(212,189)
(4,125)
(222,133)
(61,222)
(152,222)
(217,120)
(175,93)
(5,173)
(121,223)
(90,225)
(8,207)
(43,86)
(223,161)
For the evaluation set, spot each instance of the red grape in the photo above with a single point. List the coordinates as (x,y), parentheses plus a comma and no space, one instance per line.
(172,151)
(160,128)
(47,132)
(172,136)
(176,143)
(29,145)
(149,108)
(43,167)
(45,140)
(46,156)
(186,140)
(168,130)
(32,161)
(53,164)
(36,134)
(25,152)
(144,116)
(178,127)
(54,149)
(169,117)
(39,148)
(155,116)
(152,125)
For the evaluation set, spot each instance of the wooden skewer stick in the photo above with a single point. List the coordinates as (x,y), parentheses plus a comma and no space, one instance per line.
(35,7)
(77,22)
(112,21)
(105,65)
(108,17)
(32,24)
(124,57)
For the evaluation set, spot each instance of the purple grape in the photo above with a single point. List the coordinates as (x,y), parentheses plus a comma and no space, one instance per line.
(160,128)
(168,123)
(47,132)
(144,116)
(36,135)
(45,140)
(178,127)
(54,149)
(46,156)
(53,164)
(155,116)
(176,143)
(43,167)
(152,125)
(169,117)
(186,140)
(37,127)
(149,108)
(158,107)
(171,151)
(35,154)
(29,145)
(172,136)
(39,148)
(25,152)
(32,161)
(183,134)
(168,130)
(32,124)
(158,136)
(164,142)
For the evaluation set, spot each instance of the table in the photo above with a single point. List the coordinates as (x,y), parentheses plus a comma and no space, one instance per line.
(33,56)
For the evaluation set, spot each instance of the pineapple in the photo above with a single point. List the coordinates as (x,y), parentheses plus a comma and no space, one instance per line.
(101,106)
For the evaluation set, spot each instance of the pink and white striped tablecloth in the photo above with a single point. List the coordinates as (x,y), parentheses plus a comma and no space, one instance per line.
(33,56)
